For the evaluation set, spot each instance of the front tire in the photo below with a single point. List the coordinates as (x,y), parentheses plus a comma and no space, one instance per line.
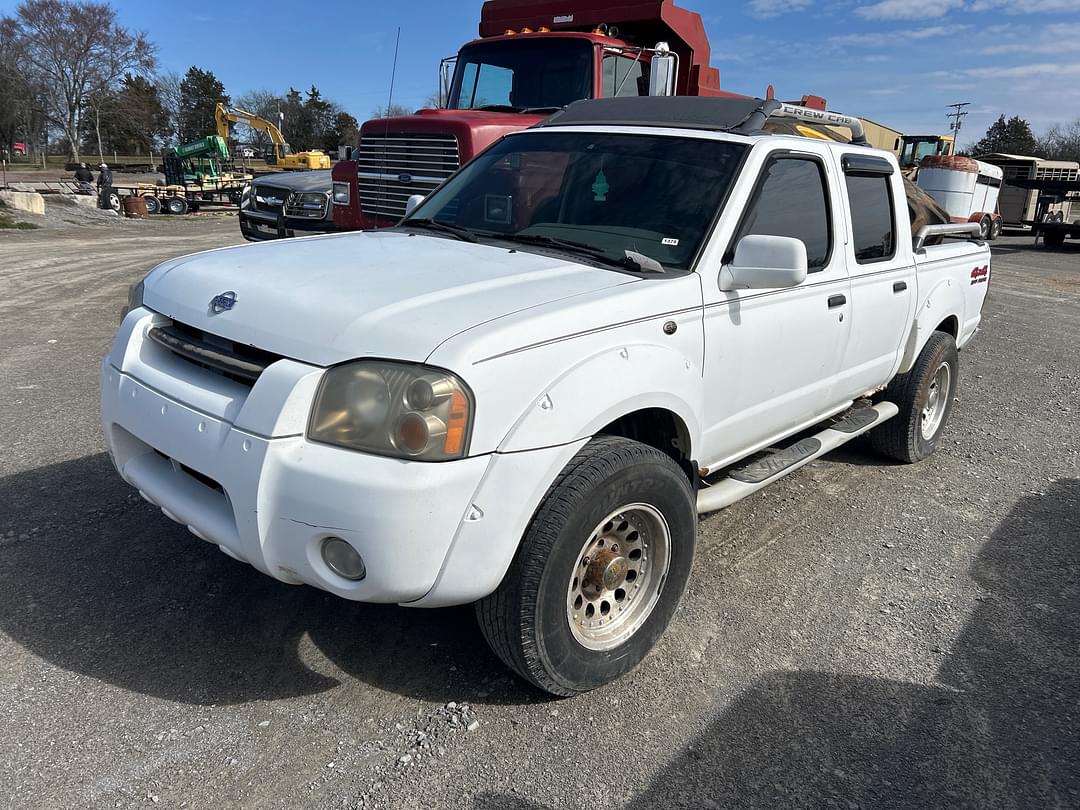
(995,229)
(600,570)
(985,226)
(925,397)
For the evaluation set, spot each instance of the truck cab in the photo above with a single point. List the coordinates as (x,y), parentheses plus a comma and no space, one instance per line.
(530,60)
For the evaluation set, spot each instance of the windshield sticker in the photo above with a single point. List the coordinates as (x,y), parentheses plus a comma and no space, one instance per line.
(601,188)
(670,242)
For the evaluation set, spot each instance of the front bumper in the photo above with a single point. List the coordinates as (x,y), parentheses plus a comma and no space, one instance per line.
(260,226)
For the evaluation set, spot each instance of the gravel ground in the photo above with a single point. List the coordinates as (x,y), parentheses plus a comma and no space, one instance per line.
(860,635)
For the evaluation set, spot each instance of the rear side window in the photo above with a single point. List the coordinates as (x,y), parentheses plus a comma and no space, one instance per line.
(792,201)
(873,221)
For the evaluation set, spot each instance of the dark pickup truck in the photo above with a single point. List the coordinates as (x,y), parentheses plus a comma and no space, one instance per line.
(286,204)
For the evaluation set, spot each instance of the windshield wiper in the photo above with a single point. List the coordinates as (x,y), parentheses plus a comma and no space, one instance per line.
(510,108)
(464,234)
(631,260)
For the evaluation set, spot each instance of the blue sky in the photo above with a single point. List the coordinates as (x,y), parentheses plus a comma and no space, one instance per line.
(899,62)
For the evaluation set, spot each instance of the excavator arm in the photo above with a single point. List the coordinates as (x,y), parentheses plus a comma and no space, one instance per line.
(283,154)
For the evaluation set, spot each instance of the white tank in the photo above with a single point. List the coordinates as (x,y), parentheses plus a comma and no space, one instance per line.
(966,188)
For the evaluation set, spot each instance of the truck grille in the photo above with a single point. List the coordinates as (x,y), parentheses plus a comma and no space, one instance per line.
(237,362)
(394,167)
(270,198)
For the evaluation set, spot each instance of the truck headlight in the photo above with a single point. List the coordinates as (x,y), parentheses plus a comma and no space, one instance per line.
(341,193)
(135,298)
(393,409)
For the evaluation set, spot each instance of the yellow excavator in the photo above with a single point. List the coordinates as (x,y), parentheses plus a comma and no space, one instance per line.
(281,156)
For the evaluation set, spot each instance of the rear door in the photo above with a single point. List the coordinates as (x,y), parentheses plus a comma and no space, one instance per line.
(880,269)
(771,355)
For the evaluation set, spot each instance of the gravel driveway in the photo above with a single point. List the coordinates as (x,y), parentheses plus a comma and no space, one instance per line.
(861,635)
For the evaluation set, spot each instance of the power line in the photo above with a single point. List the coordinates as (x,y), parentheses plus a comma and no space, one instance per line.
(957,116)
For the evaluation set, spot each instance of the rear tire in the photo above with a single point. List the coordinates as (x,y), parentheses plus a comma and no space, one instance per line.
(618,524)
(995,229)
(925,397)
(153,204)
(985,227)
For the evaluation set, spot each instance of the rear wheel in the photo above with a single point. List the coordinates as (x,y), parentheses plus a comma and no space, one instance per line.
(600,569)
(176,205)
(985,226)
(995,229)
(925,397)
(153,204)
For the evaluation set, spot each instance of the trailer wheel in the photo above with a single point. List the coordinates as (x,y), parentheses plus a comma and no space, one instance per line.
(153,204)
(995,229)
(985,227)
(114,201)
(599,572)
(176,205)
(1053,238)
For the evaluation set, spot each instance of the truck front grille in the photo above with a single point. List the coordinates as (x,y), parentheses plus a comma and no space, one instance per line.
(270,198)
(394,167)
(240,363)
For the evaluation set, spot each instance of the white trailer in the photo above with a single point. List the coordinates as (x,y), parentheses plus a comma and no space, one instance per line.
(968,189)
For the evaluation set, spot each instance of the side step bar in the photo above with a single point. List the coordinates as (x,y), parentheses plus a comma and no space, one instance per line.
(749,478)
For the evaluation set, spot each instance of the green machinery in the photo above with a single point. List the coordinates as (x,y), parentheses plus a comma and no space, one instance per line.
(197,163)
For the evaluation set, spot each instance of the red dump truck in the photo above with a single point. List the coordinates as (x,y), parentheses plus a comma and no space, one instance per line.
(531,60)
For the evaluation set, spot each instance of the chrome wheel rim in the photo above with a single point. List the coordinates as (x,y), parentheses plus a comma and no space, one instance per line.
(618,576)
(937,400)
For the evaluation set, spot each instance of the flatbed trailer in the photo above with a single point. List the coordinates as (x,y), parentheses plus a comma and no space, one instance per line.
(1053,228)
(177,199)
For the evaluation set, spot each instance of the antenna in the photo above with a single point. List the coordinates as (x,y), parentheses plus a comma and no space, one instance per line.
(957,116)
(386,118)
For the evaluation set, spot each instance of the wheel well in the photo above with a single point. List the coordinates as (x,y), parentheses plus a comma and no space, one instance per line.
(659,428)
(950,326)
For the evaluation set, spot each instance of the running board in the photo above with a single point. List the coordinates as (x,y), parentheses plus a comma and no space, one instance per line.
(759,473)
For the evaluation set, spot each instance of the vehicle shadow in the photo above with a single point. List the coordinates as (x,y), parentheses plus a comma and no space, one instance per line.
(96,581)
(997,729)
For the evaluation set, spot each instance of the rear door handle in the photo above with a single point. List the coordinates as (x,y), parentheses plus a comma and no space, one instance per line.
(899,286)
(837,301)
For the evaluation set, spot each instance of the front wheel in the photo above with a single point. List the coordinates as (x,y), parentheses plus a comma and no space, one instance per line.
(985,227)
(925,398)
(995,229)
(599,572)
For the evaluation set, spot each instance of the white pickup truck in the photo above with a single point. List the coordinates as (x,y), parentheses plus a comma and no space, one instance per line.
(525,394)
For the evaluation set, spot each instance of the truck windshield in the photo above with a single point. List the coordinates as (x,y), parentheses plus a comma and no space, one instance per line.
(523,74)
(597,193)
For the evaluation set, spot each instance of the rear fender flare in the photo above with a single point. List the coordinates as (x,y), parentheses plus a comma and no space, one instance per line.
(945,300)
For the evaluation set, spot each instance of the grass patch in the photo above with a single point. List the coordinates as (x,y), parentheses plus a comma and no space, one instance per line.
(7,221)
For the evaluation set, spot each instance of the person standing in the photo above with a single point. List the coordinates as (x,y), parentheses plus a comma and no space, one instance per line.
(104,185)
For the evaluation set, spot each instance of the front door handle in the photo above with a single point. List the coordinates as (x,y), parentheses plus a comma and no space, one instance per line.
(837,301)
(899,286)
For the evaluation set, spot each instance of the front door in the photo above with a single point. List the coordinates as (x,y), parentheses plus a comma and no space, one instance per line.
(772,355)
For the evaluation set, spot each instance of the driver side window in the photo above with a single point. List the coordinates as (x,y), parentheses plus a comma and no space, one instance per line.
(792,200)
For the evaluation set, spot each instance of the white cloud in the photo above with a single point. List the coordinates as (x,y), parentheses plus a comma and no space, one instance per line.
(1050,70)
(908,9)
(774,8)
(882,39)
(1025,6)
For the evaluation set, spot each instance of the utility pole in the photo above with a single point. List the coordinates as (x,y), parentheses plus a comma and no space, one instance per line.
(957,116)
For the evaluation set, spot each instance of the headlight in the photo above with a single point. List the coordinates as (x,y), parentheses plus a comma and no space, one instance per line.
(135,298)
(341,193)
(393,409)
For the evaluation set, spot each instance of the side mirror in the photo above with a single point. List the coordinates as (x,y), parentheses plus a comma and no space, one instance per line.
(412,202)
(662,69)
(765,263)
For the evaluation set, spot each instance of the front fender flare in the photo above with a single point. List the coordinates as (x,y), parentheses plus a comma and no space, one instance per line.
(601,387)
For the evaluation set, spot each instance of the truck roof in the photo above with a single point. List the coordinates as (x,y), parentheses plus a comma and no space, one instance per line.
(740,116)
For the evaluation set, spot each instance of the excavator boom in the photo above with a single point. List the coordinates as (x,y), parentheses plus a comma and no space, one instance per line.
(282,154)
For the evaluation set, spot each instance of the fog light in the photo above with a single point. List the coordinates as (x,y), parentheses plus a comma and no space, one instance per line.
(343,559)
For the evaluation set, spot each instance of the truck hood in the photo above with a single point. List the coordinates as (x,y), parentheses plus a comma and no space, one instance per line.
(318,180)
(324,300)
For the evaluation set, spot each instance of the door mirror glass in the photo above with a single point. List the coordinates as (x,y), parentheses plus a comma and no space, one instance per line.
(412,202)
(765,262)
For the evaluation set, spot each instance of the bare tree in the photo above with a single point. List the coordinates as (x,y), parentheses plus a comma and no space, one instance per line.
(78,50)
(168,85)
